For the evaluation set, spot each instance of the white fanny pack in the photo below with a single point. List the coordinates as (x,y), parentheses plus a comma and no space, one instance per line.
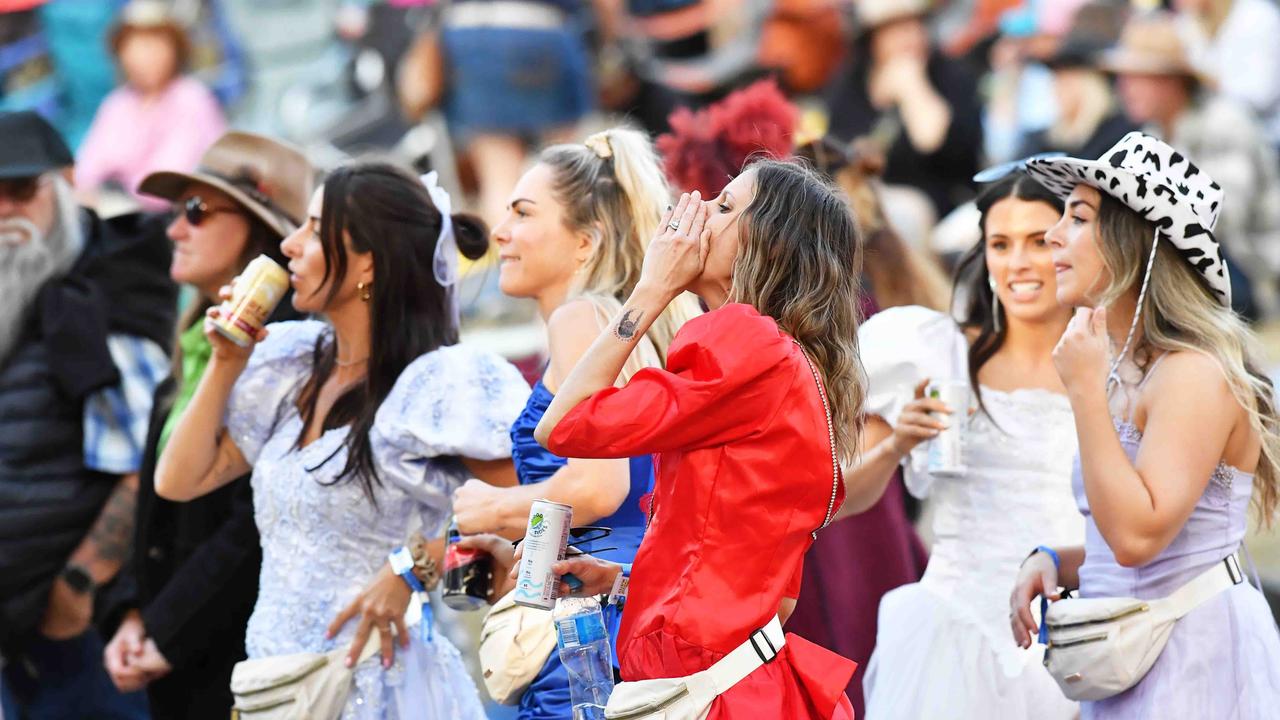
(515,642)
(1099,647)
(690,698)
(301,686)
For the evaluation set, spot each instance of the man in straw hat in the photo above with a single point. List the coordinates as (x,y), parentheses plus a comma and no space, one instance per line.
(1162,91)
(184,602)
(86,308)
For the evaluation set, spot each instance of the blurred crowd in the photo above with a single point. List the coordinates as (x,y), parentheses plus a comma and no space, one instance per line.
(472,88)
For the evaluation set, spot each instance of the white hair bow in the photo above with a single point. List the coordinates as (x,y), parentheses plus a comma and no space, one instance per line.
(445,261)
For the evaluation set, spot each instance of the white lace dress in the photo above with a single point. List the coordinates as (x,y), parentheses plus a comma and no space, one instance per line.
(323,541)
(943,645)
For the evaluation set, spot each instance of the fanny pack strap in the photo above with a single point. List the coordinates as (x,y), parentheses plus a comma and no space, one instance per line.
(760,648)
(1220,577)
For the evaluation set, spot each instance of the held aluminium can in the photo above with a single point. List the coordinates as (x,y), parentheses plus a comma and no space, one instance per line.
(546,539)
(254,296)
(946,450)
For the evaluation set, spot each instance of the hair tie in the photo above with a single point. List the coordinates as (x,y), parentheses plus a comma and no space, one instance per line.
(444,263)
(600,145)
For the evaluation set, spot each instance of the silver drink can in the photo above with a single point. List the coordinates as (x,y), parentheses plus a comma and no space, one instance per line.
(946,451)
(546,539)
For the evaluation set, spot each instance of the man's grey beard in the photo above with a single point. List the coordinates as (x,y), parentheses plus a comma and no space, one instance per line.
(26,266)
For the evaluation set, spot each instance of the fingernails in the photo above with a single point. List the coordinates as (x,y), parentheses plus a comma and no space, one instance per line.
(348,662)
(386,663)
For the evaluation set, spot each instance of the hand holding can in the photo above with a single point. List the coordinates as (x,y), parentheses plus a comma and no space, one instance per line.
(254,296)
(946,450)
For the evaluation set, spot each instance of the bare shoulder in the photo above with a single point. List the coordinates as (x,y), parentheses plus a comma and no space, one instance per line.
(1190,376)
(571,329)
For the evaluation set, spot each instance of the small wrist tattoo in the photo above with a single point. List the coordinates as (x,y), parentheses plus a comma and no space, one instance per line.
(625,330)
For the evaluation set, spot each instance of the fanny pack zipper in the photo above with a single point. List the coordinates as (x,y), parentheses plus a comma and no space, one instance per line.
(1134,610)
(652,707)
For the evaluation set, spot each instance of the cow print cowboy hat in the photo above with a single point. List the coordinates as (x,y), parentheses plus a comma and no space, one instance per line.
(1162,186)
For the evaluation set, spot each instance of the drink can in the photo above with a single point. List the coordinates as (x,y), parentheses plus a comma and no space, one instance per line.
(546,539)
(468,575)
(254,296)
(946,451)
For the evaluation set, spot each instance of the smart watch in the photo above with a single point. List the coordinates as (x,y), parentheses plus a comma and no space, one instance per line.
(78,579)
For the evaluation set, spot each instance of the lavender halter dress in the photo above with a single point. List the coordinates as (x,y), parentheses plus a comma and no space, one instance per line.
(1222,661)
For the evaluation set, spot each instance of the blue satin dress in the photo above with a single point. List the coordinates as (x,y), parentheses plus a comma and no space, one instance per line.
(548,696)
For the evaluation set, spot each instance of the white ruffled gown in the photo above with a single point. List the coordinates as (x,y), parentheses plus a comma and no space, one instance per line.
(323,541)
(944,648)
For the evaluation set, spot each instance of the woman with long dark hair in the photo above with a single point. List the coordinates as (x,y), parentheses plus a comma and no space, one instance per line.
(948,629)
(747,439)
(356,429)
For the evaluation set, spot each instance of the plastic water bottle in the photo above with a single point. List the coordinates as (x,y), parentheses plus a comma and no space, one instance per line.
(586,654)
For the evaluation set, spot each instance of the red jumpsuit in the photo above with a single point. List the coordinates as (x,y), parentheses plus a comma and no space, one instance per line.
(743,477)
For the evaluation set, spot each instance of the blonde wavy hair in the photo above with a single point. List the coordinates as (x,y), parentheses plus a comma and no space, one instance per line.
(1181,313)
(799,260)
(613,188)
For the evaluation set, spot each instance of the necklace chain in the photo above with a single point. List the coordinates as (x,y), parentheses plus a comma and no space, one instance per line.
(831,436)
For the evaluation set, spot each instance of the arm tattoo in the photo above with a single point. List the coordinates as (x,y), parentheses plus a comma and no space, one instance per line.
(111,537)
(626,327)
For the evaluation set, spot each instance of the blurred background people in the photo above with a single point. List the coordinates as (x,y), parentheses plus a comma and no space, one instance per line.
(86,312)
(919,108)
(1087,118)
(1234,42)
(1160,90)
(185,597)
(518,74)
(158,118)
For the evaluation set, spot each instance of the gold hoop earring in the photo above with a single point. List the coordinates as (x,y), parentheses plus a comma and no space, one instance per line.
(365,293)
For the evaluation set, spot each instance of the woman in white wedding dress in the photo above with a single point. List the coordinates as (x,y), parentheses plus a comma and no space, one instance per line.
(942,646)
(357,430)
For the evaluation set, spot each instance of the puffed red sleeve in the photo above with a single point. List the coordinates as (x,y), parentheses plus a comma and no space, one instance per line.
(726,374)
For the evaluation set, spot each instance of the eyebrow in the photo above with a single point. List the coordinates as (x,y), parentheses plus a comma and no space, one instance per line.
(727,194)
(1074,203)
(517,201)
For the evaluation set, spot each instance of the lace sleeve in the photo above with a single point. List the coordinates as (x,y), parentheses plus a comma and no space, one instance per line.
(275,370)
(899,348)
(455,402)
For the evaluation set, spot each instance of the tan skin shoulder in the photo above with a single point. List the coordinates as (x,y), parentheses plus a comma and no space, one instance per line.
(1196,378)
(571,329)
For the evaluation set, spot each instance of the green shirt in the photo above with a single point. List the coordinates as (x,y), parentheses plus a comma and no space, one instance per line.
(196,352)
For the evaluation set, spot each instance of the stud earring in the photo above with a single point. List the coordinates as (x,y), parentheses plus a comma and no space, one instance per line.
(365,293)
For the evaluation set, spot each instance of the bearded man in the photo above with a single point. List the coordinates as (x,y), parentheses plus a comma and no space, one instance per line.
(86,310)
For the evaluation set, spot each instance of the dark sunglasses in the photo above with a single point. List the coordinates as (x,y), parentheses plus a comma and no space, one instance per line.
(196,210)
(20,189)
(1003,170)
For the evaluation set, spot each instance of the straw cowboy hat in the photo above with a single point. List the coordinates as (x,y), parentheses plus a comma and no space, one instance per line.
(1151,45)
(268,178)
(874,13)
(1160,184)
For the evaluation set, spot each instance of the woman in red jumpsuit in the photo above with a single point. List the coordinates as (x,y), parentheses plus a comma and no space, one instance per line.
(746,457)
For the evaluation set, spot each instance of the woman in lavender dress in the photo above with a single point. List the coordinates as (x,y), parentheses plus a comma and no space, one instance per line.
(1177,429)
(357,430)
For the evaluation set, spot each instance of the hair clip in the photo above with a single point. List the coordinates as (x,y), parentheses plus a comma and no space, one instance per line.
(600,145)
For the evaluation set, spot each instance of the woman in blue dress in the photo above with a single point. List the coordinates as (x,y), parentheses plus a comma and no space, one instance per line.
(573,240)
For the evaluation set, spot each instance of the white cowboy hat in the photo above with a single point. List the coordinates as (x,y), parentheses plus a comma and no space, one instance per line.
(1160,184)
